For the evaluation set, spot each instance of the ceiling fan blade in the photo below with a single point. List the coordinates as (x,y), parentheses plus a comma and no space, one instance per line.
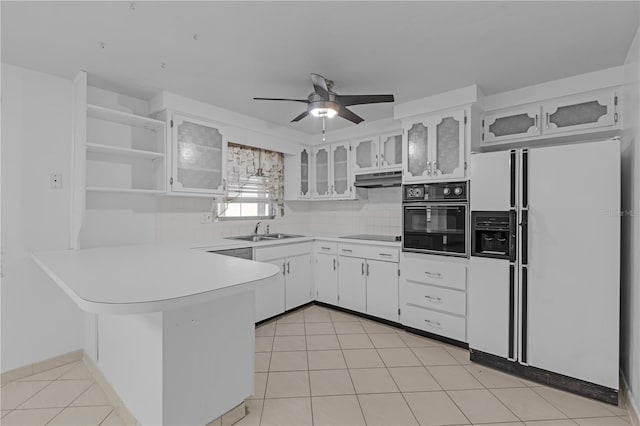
(300,117)
(320,85)
(281,99)
(347,100)
(350,115)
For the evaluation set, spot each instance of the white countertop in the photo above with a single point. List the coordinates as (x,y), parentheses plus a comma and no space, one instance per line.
(147,278)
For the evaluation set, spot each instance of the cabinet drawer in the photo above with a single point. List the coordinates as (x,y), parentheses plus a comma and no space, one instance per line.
(442,299)
(389,254)
(326,247)
(445,274)
(353,250)
(281,251)
(435,322)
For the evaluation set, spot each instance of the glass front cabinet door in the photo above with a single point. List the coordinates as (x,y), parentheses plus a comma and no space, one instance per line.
(580,112)
(199,156)
(417,160)
(448,155)
(366,155)
(305,173)
(391,151)
(514,123)
(340,176)
(321,187)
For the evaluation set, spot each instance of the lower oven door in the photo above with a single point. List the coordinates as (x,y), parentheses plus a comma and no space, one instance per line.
(438,228)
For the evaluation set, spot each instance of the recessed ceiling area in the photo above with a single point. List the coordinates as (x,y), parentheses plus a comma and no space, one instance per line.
(225,53)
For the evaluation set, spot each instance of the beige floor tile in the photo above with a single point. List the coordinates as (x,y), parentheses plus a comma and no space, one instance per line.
(376,328)
(254,412)
(373,380)
(78,372)
(494,379)
(557,422)
(262,361)
(336,411)
(330,382)
(398,357)
(527,405)
(322,342)
(287,412)
(15,393)
(33,417)
(266,330)
(57,361)
(113,419)
(287,384)
(290,329)
(53,374)
(57,394)
(386,410)
(81,416)
(264,344)
(434,356)
(92,397)
(602,421)
(480,406)
(260,385)
(362,358)
(326,360)
(573,406)
(289,343)
(293,317)
(461,355)
(15,374)
(618,410)
(337,316)
(316,316)
(434,408)
(415,341)
(312,328)
(502,424)
(355,341)
(414,379)
(4,413)
(288,361)
(454,377)
(387,340)
(352,327)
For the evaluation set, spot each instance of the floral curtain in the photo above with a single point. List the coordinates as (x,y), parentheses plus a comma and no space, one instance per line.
(244,162)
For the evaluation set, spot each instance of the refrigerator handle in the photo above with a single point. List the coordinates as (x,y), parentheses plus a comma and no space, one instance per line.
(524,225)
(512,301)
(525,179)
(512,170)
(513,235)
(523,319)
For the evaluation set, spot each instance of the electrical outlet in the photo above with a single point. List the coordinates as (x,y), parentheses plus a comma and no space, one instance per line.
(56,180)
(207,218)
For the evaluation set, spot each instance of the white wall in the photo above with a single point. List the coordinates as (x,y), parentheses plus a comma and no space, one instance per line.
(38,320)
(630,250)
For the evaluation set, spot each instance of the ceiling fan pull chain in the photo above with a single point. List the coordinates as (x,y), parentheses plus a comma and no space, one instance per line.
(324,132)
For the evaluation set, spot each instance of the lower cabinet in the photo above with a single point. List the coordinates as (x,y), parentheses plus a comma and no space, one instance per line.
(326,273)
(352,284)
(382,289)
(298,280)
(270,294)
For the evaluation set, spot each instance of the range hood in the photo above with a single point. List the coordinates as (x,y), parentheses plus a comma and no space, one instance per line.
(379,179)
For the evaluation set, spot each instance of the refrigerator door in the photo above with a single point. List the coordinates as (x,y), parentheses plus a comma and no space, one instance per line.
(573,282)
(491,177)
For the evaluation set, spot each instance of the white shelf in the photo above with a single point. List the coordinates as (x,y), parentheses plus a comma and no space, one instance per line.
(127,152)
(124,190)
(121,117)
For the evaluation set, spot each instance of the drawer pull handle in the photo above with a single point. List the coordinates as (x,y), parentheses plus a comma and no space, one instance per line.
(325,248)
(435,324)
(347,250)
(385,254)
(434,299)
(433,274)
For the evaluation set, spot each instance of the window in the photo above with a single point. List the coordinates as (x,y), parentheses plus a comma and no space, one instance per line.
(255,184)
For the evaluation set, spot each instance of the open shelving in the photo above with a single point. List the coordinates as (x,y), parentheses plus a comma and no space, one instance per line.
(121,117)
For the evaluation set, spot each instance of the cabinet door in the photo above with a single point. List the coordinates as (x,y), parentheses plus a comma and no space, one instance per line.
(340,171)
(270,293)
(199,152)
(321,188)
(352,287)
(515,123)
(382,289)
(391,151)
(305,173)
(366,156)
(298,281)
(449,148)
(327,278)
(416,152)
(579,112)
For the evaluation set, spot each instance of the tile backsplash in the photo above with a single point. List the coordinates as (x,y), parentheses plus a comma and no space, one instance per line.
(180,218)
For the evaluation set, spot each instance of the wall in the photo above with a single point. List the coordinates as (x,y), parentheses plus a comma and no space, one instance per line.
(630,249)
(38,320)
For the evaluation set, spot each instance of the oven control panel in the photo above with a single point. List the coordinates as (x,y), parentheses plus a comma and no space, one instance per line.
(441,191)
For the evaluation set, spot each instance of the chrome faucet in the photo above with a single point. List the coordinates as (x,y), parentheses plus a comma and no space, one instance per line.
(255,231)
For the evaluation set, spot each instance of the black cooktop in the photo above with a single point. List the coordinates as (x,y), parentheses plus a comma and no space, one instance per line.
(388,238)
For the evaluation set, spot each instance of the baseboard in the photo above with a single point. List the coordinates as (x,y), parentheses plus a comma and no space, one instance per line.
(630,402)
(38,367)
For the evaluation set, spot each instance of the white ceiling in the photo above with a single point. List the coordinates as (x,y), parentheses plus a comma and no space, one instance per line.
(245,49)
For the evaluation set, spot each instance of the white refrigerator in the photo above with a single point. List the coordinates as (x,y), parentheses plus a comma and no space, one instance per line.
(556,305)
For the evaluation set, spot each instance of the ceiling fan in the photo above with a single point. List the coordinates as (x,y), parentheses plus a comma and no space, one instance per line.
(324,102)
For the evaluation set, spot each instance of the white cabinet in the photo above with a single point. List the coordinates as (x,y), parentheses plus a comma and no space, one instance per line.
(298,281)
(269,296)
(514,123)
(382,289)
(298,178)
(332,172)
(199,156)
(326,272)
(377,153)
(435,146)
(352,284)
(305,172)
(322,173)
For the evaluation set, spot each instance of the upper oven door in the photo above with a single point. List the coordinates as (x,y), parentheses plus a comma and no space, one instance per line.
(439,228)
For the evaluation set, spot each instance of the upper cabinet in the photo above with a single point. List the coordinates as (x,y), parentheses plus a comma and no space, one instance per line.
(332,172)
(377,153)
(199,156)
(321,185)
(305,172)
(435,146)
(569,115)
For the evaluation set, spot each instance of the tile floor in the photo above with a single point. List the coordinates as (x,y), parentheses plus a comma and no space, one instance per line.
(319,366)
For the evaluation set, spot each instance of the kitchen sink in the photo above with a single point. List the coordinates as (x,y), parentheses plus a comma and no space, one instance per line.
(263,237)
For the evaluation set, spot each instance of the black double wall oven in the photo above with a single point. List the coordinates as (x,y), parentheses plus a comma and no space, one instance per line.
(435,218)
